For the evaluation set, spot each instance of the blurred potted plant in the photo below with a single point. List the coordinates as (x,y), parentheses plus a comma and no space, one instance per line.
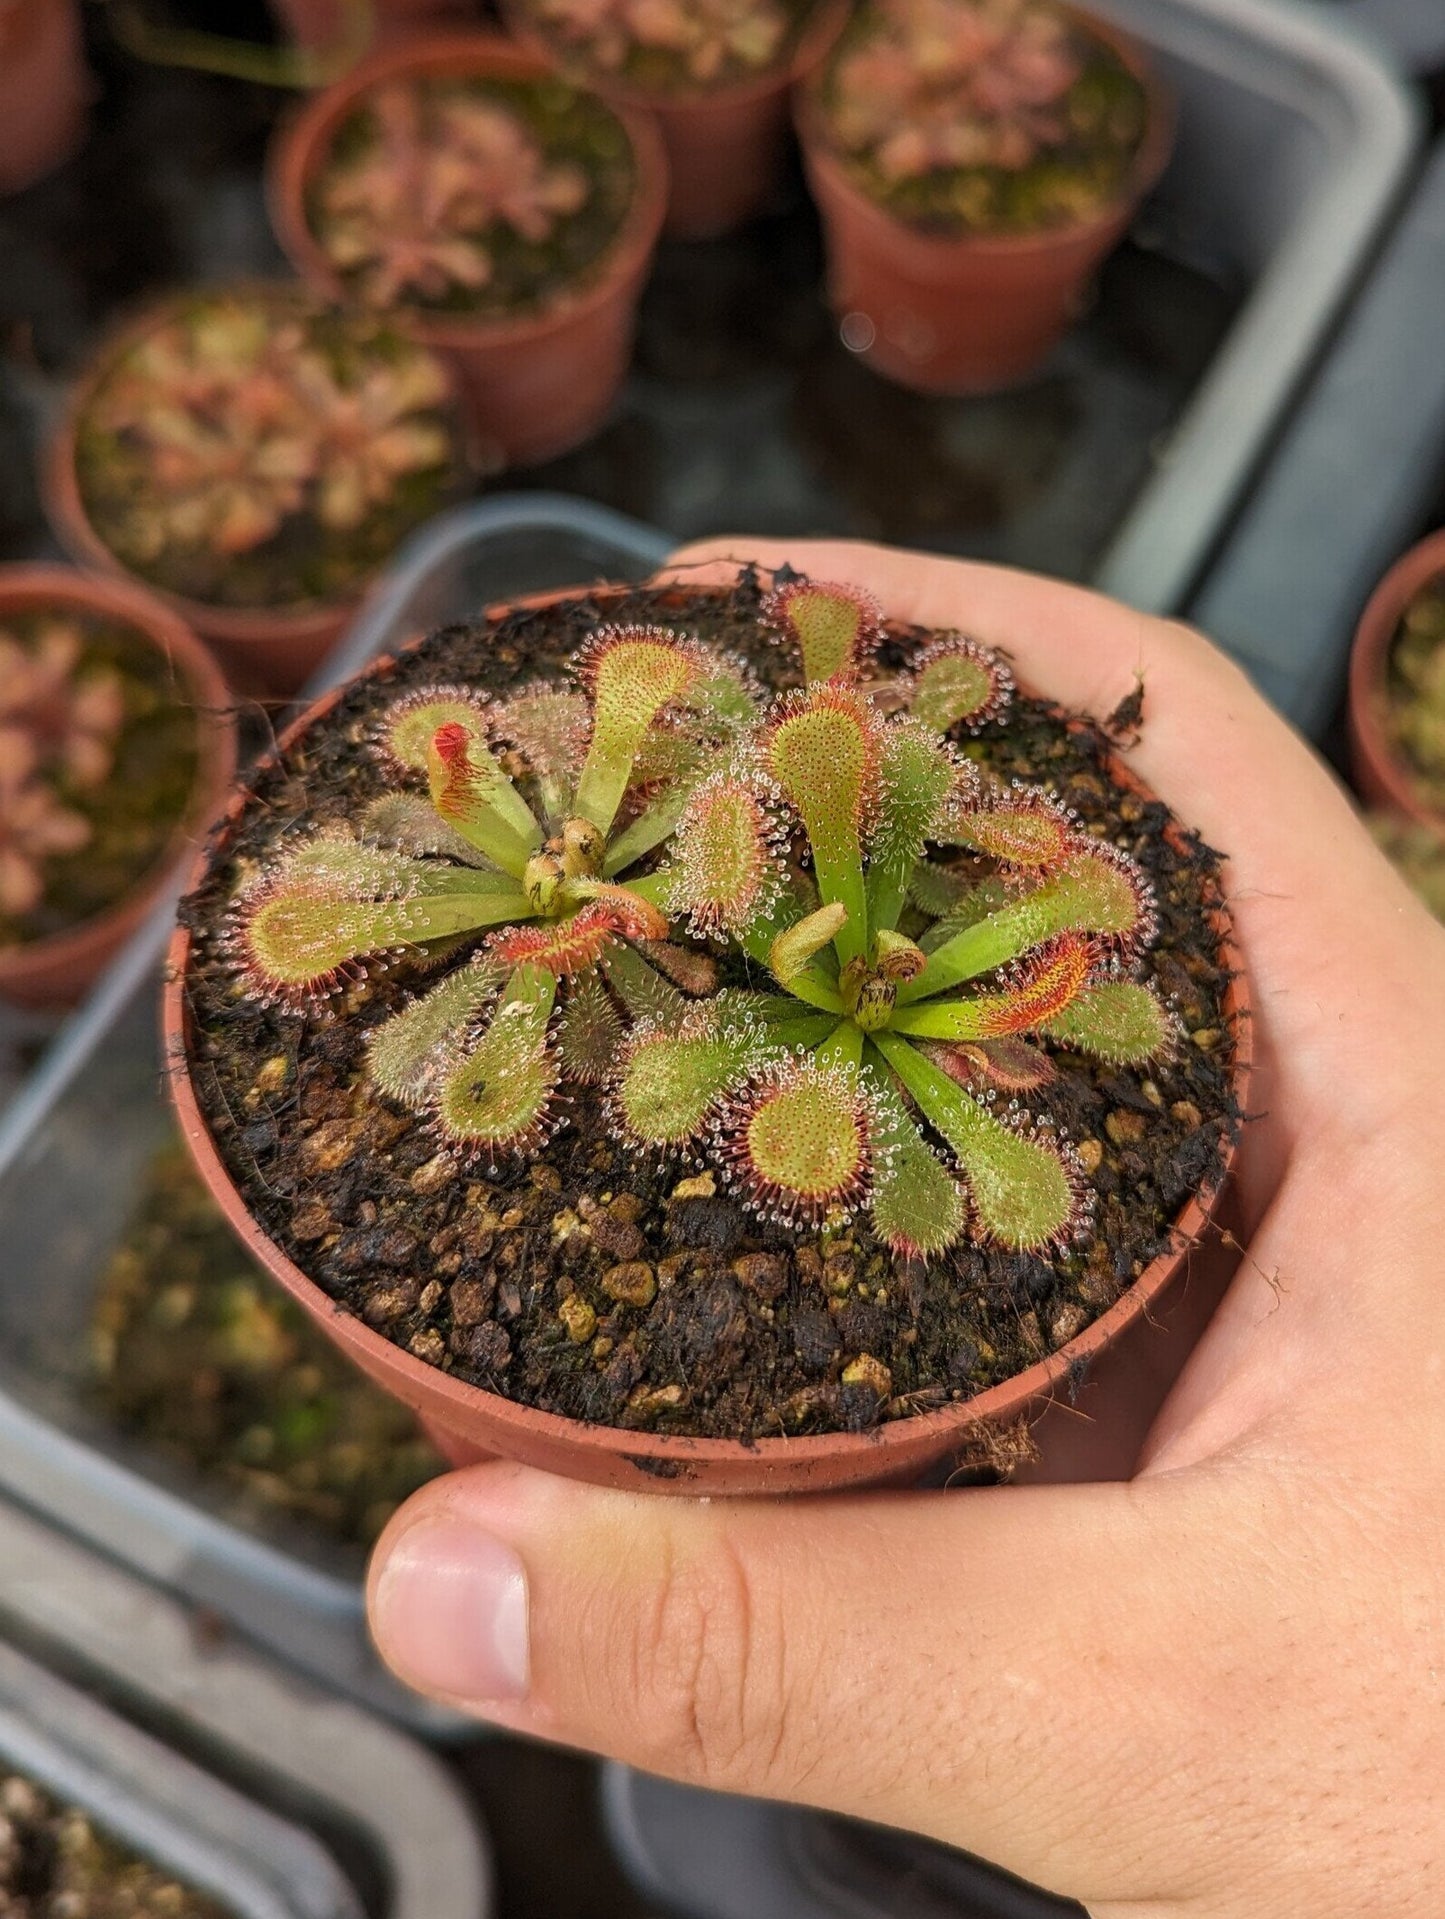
(44,88)
(715,73)
(255,459)
(488,209)
(974,161)
(1397,690)
(116,748)
(790,1225)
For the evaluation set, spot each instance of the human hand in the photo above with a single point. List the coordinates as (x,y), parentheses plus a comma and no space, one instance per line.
(1214,1692)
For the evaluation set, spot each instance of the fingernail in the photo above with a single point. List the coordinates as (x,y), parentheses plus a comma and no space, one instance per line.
(450,1612)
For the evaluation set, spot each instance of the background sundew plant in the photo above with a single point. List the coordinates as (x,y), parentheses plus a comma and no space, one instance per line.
(724,913)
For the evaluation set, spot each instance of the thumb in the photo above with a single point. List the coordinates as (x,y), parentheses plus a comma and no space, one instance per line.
(984,1666)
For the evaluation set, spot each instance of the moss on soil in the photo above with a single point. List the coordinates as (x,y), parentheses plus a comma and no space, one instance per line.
(750,1328)
(196,1353)
(56,1864)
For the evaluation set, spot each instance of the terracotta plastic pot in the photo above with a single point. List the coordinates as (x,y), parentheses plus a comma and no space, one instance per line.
(1380,774)
(321,25)
(725,146)
(468,1423)
(44,88)
(54,972)
(267,652)
(971,313)
(537,384)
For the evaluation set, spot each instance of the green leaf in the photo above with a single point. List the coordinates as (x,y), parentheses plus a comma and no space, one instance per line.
(412,824)
(473,795)
(793,948)
(631,674)
(1116,1021)
(915,776)
(796,1141)
(672,1082)
(918,1207)
(403,1054)
(409,724)
(498,1092)
(834,627)
(959,680)
(725,861)
(823,754)
(1045,987)
(589,1033)
(1096,891)
(1023,1196)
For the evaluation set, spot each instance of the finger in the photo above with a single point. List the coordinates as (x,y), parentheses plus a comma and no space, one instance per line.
(1000,1669)
(1346,965)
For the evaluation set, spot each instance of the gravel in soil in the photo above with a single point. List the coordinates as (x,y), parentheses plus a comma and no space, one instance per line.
(745,1330)
(55,1864)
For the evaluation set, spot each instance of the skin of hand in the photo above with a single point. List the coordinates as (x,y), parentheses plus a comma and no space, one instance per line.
(1215,1691)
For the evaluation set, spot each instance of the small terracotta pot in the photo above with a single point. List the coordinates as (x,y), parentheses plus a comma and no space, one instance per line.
(269,652)
(1380,774)
(537,384)
(54,972)
(725,145)
(45,88)
(468,1423)
(968,313)
(321,25)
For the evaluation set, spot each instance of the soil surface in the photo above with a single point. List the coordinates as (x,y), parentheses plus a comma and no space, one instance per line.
(195,1352)
(54,1864)
(741,1330)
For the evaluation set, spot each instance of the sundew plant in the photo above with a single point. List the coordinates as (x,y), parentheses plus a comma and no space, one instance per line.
(803,940)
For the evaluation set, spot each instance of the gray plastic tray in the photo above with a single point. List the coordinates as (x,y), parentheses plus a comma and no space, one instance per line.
(278,1752)
(1352,482)
(76,1137)
(1412,30)
(160,1806)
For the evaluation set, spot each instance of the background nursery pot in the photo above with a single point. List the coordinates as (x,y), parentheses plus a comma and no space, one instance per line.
(536,383)
(1379,770)
(470,1422)
(966,313)
(56,970)
(725,144)
(268,650)
(44,88)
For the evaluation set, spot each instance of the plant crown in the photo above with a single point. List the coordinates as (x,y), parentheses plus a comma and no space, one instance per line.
(702,41)
(881,945)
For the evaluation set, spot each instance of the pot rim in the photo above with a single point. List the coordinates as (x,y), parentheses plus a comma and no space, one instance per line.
(812,44)
(1369,669)
(301,147)
(425,1385)
(1148,164)
(26,588)
(69,518)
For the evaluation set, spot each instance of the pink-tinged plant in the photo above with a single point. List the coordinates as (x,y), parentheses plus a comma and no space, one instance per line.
(879,1075)
(706,39)
(882,1008)
(35,825)
(70,713)
(416,210)
(528,868)
(935,85)
(237,418)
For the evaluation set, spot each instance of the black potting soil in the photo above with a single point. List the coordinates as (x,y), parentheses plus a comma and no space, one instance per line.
(742,1329)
